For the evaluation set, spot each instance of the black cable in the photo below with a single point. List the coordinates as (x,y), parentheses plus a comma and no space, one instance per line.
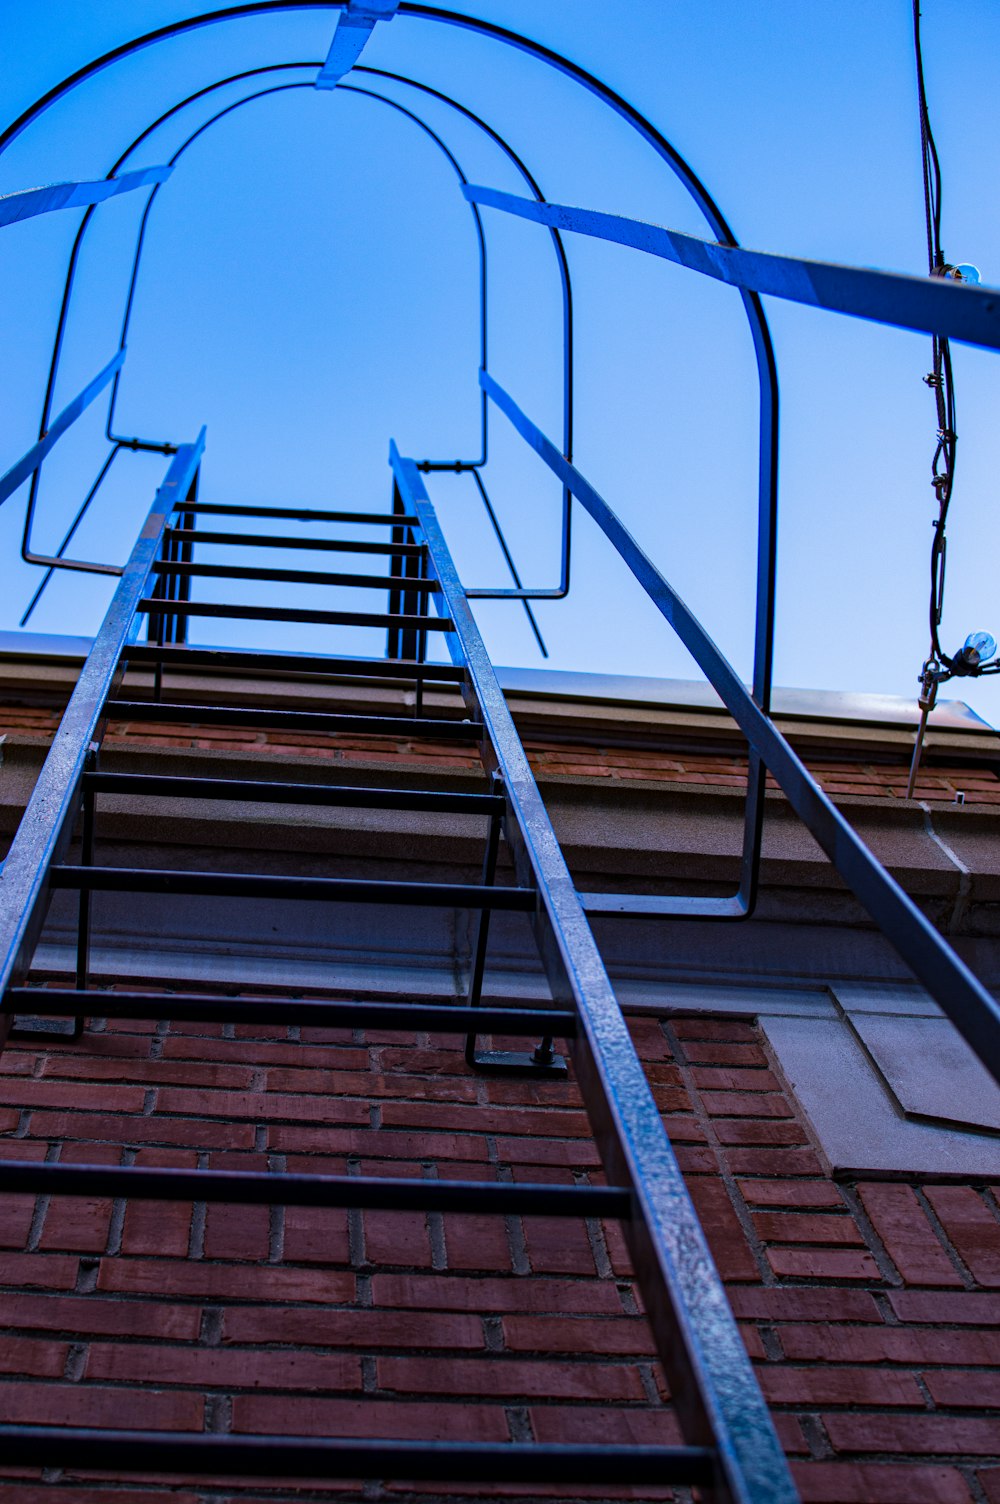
(940,379)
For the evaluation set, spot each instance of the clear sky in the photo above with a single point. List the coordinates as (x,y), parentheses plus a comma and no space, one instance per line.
(309,290)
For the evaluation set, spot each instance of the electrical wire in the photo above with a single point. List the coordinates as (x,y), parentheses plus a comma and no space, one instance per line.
(940,379)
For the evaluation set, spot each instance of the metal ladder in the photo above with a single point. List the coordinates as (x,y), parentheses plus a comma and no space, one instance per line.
(730,1451)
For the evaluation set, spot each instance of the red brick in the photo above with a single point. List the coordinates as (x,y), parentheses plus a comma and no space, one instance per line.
(369,1417)
(375,1143)
(724,1054)
(920,1435)
(141,1130)
(953,1309)
(87,1405)
(157,1227)
(237,1232)
(734,1104)
(969,1389)
(223,1281)
(624,1426)
(801,1227)
(547,1122)
(561,1334)
(878,1483)
(520,1294)
(181,1047)
(810,1387)
(474,1242)
(887,1344)
(27,1355)
(152,1072)
(50,1272)
(9,1119)
(15,1225)
(316,1235)
(909,1238)
(757,1130)
(804,1304)
(89,1313)
(972,1228)
(732,1078)
(558,1245)
(217,1368)
(773,1161)
(397,1238)
(580,1155)
(258,1106)
(498,1375)
(722,1030)
(722,1228)
(824,1263)
(791,1193)
(368,1329)
(77,1095)
(76,1223)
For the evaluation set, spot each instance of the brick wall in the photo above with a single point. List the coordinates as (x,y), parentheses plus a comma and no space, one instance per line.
(938,783)
(871,1310)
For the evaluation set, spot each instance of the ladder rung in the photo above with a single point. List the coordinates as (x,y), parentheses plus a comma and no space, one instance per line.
(447,1018)
(293,720)
(335,1457)
(299,514)
(298,663)
(151,607)
(262,1188)
(341,796)
(272,540)
(297,577)
(259,885)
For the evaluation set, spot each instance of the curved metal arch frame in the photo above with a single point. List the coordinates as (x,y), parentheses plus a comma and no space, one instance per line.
(744,900)
(519,592)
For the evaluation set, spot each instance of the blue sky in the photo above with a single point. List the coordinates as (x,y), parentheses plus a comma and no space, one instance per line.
(309,290)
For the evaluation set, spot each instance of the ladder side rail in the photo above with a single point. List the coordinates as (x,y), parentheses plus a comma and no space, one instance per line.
(46,827)
(928,955)
(715,1390)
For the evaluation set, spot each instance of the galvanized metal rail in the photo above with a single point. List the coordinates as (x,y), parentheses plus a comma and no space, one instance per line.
(730,1449)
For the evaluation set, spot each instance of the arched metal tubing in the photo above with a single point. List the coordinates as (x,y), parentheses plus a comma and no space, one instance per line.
(122,442)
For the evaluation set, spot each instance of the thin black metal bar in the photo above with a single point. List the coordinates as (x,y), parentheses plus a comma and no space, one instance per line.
(519,592)
(68,535)
(297,514)
(44,833)
(949,981)
(201,1008)
(931,305)
(178,570)
(325,889)
(272,541)
(262,1188)
(278,613)
(308,1457)
(163,786)
(27,465)
(317,665)
(290,720)
(450,1018)
(28,202)
(717,1397)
